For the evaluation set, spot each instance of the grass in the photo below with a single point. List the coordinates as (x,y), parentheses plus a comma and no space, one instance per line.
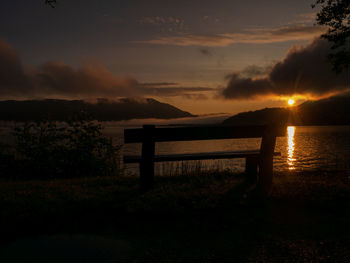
(198,218)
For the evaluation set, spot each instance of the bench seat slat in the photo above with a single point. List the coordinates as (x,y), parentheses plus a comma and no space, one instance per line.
(201,133)
(197,156)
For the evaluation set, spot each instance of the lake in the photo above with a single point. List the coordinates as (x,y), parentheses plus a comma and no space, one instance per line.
(303,148)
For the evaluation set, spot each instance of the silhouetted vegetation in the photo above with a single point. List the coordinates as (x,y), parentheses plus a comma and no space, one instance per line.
(51,3)
(335,14)
(47,149)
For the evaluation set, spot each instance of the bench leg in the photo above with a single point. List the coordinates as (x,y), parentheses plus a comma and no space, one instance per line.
(268,143)
(265,175)
(251,169)
(147,161)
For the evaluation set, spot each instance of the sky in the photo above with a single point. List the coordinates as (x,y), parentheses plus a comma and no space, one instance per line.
(201,56)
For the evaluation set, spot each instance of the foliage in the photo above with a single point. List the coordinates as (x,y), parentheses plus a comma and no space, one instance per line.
(335,14)
(67,149)
(51,3)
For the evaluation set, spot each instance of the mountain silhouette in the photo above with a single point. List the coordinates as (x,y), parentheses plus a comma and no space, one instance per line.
(330,111)
(259,117)
(102,110)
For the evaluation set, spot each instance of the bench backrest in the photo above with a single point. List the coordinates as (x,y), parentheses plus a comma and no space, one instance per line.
(149,135)
(149,132)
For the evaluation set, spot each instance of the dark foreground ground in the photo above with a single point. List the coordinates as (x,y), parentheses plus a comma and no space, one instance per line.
(184,219)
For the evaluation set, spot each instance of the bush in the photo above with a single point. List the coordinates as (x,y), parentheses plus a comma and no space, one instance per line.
(74,148)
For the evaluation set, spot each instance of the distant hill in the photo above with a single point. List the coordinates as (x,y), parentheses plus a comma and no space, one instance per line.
(331,111)
(103,109)
(259,117)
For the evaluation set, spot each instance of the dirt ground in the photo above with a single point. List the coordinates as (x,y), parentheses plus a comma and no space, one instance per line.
(203,218)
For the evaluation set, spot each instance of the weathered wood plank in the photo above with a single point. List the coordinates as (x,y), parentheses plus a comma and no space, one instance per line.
(201,133)
(197,156)
(265,177)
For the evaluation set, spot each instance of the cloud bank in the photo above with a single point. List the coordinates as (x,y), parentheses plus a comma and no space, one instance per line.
(252,36)
(304,71)
(57,79)
(12,76)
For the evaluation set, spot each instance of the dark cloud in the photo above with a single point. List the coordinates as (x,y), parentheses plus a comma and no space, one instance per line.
(246,88)
(195,96)
(172,91)
(206,52)
(12,76)
(251,36)
(88,80)
(158,84)
(254,71)
(304,71)
(57,79)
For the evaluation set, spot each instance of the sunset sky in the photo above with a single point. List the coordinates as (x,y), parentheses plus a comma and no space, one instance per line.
(201,56)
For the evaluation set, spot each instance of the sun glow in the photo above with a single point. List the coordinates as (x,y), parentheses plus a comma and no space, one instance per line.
(291,102)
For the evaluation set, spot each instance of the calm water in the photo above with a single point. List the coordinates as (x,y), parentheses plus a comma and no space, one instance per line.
(303,148)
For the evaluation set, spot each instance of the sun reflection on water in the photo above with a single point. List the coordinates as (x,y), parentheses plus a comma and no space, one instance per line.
(291,146)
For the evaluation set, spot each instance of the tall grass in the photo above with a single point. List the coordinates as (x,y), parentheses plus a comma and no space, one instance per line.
(188,168)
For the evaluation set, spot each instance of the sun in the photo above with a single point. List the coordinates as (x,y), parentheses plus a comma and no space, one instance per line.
(291,102)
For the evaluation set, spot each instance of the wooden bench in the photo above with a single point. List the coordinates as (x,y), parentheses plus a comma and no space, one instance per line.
(259,163)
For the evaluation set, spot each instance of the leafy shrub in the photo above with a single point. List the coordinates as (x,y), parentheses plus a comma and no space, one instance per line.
(73,148)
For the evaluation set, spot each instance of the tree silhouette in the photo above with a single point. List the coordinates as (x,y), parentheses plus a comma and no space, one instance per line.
(51,3)
(335,14)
